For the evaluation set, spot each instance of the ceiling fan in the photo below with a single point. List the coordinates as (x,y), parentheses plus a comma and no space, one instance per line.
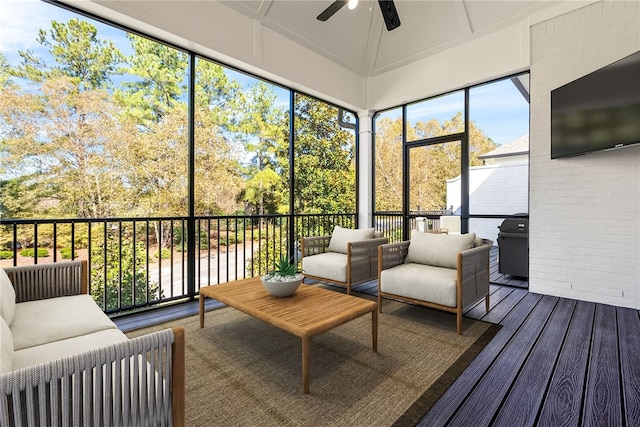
(389,12)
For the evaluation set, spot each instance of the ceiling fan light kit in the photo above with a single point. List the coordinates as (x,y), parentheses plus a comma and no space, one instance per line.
(387,7)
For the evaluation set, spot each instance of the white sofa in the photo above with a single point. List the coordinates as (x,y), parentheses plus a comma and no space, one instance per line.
(55,340)
(442,271)
(347,257)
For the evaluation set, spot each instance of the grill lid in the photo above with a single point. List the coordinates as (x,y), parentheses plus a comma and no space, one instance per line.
(515,225)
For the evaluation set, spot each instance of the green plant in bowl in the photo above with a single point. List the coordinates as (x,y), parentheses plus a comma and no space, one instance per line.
(284,279)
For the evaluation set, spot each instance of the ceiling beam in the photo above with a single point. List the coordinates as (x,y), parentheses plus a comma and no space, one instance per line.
(463,17)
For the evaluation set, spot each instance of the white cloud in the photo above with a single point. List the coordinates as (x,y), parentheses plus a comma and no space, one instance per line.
(20,21)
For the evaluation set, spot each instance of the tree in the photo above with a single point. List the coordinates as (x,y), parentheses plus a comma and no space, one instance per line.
(60,132)
(218,181)
(324,158)
(388,164)
(159,82)
(430,166)
(264,129)
(78,53)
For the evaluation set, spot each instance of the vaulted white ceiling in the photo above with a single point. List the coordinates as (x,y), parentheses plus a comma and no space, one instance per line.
(351,59)
(358,39)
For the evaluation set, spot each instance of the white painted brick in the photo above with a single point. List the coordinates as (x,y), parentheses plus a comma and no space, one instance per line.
(584,211)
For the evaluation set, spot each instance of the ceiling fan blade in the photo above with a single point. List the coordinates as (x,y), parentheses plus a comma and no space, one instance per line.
(333,8)
(390,14)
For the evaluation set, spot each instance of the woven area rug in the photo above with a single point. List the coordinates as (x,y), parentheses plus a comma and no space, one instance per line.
(242,371)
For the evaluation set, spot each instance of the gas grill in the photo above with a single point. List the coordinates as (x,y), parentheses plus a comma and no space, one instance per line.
(513,246)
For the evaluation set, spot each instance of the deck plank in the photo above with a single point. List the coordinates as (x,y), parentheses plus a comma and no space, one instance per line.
(449,402)
(628,327)
(503,308)
(525,397)
(478,310)
(501,374)
(563,399)
(602,405)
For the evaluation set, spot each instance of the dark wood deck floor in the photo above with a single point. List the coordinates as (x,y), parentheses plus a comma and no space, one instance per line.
(555,362)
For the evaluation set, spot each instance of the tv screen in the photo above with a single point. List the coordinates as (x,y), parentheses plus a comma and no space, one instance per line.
(598,111)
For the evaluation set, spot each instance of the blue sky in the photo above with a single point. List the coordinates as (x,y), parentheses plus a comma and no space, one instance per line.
(497,108)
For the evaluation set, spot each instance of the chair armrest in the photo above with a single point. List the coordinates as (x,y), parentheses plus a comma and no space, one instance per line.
(473,273)
(79,386)
(314,245)
(362,257)
(392,254)
(42,281)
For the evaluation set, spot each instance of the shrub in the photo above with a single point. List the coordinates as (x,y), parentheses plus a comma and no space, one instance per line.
(65,253)
(6,254)
(164,253)
(30,252)
(124,283)
(224,241)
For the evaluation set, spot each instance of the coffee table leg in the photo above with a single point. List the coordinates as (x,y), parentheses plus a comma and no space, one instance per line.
(201,311)
(306,363)
(374,329)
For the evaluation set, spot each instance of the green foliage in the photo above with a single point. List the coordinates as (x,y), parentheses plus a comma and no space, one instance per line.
(227,240)
(267,251)
(65,253)
(162,254)
(30,252)
(6,254)
(180,239)
(284,267)
(324,159)
(120,282)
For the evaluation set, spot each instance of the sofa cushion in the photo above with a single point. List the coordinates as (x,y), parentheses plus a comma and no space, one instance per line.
(6,347)
(43,321)
(440,250)
(341,236)
(421,282)
(330,265)
(7,297)
(68,347)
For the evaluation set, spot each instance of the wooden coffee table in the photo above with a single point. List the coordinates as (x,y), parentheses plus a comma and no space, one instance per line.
(307,313)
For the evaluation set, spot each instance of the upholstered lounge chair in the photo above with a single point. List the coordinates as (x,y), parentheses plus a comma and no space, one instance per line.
(442,271)
(347,257)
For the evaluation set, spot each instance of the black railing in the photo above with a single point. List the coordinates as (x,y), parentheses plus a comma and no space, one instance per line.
(139,263)
(392,222)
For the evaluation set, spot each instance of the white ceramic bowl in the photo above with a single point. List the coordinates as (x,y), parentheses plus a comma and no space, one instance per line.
(281,289)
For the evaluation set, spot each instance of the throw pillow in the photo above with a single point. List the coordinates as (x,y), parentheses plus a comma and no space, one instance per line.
(341,236)
(7,298)
(439,250)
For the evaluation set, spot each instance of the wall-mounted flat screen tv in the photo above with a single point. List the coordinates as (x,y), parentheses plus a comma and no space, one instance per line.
(598,111)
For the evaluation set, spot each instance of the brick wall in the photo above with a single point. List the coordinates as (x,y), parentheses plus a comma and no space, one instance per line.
(584,211)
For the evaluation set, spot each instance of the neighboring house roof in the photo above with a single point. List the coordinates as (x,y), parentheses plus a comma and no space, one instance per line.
(516,147)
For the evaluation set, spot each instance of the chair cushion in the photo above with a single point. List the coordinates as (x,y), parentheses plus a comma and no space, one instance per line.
(68,347)
(341,236)
(330,265)
(440,250)
(43,321)
(6,347)
(421,282)
(7,298)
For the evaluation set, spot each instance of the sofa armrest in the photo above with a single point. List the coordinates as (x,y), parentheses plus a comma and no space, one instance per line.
(42,281)
(391,255)
(138,379)
(314,245)
(473,273)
